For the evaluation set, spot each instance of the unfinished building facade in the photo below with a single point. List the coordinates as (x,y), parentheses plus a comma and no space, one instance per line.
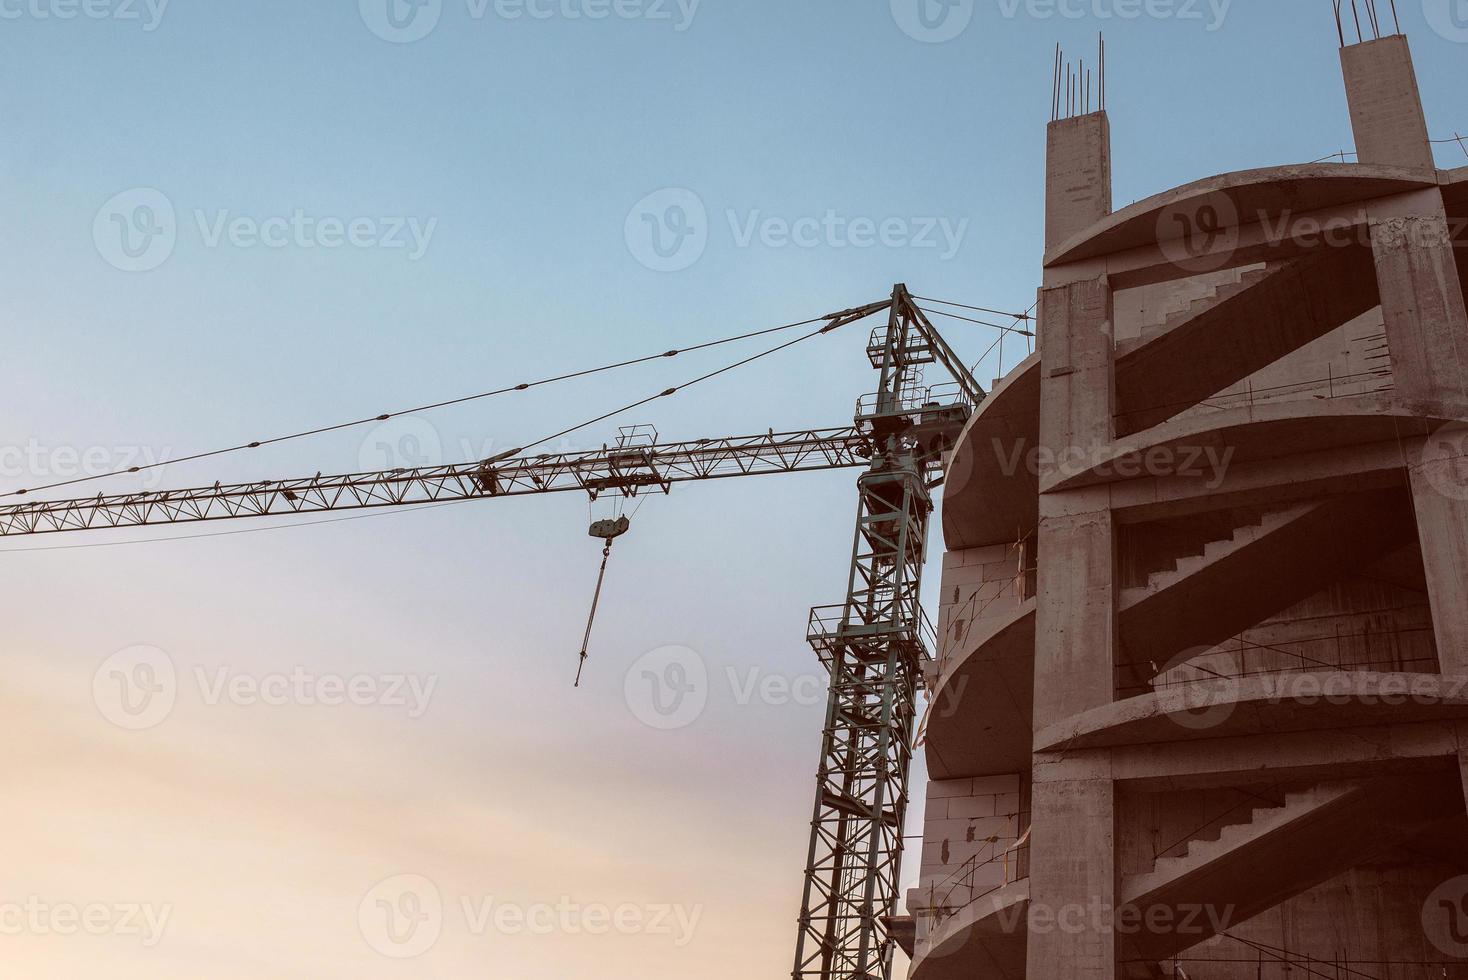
(1200,707)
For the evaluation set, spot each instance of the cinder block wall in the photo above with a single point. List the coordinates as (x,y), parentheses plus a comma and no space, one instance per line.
(979,585)
(968,826)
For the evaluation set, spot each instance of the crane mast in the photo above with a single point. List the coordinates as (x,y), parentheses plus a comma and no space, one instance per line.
(873,645)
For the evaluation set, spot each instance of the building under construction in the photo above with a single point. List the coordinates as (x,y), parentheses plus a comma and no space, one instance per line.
(1201,695)
(1199,704)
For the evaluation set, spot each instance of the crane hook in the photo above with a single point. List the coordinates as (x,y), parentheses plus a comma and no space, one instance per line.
(609,531)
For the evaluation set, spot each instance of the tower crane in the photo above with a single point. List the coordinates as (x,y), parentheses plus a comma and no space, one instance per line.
(873,644)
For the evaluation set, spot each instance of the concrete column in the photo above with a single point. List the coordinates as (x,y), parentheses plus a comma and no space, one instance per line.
(1073,880)
(1078,366)
(1073,846)
(1427,332)
(1422,303)
(1072,871)
(1426,320)
(1386,106)
(1076,602)
(1439,479)
(1078,176)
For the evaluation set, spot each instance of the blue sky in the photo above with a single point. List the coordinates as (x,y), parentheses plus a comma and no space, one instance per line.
(519,148)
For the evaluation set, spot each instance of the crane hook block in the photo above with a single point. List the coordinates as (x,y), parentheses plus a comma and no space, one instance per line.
(610,530)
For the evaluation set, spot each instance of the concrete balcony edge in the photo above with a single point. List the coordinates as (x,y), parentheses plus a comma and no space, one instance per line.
(1002,914)
(1298,188)
(1225,707)
(982,504)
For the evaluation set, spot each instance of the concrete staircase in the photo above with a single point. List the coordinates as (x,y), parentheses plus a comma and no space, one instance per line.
(1219,294)
(1243,536)
(1281,851)
(1261,568)
(1221,339)
(1264,819)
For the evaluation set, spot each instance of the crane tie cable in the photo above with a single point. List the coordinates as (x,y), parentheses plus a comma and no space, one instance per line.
(320,430)
(666,393)
(985,323)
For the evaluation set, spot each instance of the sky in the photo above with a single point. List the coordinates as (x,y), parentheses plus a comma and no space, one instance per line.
(353,749)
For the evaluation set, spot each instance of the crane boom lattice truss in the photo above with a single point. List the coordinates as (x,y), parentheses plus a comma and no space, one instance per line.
(619,469)
(874,644)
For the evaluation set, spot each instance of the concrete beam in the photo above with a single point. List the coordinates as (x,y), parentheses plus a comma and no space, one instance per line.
(1273,756)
